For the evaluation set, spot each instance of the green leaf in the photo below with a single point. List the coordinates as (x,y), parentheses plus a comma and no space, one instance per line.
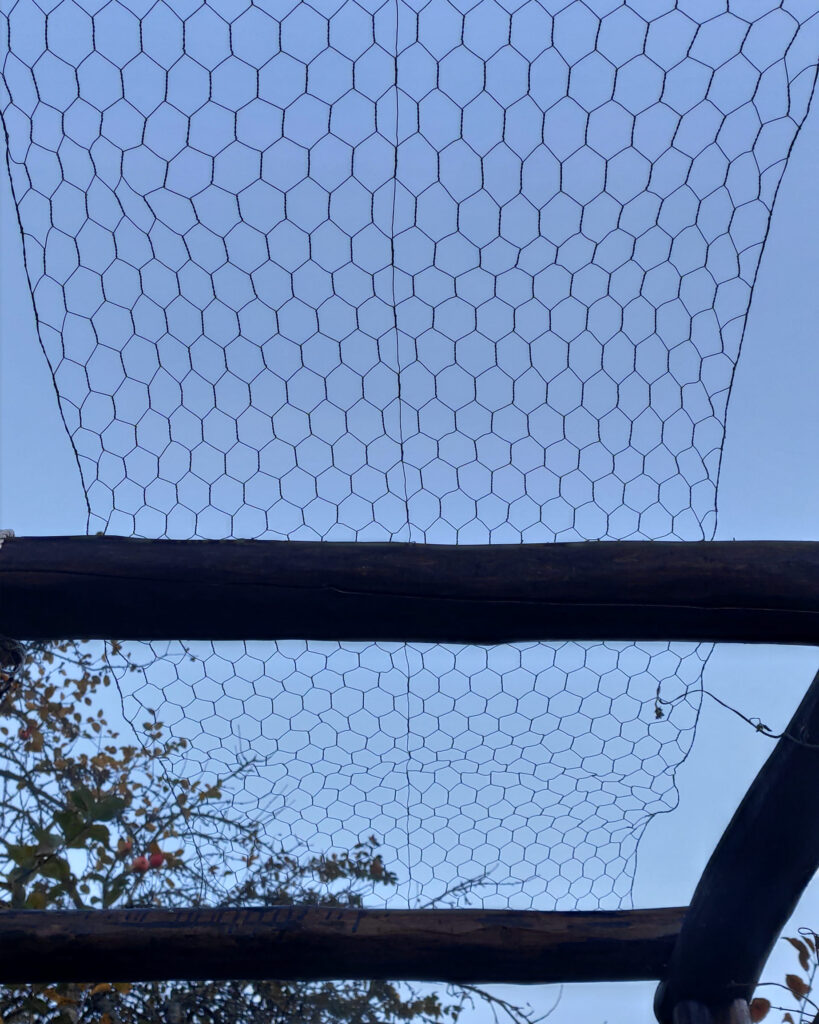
(83,799)
(109,807)
(115,890)
(71,823)
(100,833)
(22,855)
(56,868)
(47,840)
(77,830)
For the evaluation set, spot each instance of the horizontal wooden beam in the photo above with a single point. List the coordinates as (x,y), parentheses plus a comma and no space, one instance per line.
(127,588)
(315,943)
(752,883)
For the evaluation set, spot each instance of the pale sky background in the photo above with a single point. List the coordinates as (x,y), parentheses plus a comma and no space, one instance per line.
(769,489)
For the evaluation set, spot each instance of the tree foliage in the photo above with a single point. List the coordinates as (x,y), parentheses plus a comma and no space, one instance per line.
(800,1007)
(89,821)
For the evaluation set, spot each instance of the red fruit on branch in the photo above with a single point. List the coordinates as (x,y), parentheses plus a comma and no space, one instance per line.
(156,860)
(25,734)
(140,864)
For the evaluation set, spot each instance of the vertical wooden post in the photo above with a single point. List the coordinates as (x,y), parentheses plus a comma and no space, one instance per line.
(690,1012)
(754,879)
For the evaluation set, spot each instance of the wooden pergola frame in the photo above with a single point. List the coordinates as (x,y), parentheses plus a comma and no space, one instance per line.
(707,957)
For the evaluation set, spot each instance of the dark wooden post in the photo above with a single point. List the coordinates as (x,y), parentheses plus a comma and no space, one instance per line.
(754,879)
(689,1012)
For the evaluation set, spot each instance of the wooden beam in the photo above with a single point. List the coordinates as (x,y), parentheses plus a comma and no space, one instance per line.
(752,883)
(127,588)
(314,943)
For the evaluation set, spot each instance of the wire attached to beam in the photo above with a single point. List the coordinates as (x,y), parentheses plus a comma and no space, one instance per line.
(12,652)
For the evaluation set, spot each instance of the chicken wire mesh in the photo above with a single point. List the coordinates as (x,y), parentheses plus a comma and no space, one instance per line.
(443,272)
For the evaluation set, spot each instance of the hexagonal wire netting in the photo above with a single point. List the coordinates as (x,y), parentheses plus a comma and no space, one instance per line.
(435,271)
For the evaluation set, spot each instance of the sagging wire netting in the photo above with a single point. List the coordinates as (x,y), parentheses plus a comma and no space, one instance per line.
(414,271)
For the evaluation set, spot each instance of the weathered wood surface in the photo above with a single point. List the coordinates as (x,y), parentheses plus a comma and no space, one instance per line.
(314,943)
(689,1012)
(127,588)
(755,877)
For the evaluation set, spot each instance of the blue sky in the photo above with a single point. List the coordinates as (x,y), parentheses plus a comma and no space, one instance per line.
(768,489)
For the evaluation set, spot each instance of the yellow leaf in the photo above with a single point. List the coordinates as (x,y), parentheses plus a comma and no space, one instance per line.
(103,987)
(123,987)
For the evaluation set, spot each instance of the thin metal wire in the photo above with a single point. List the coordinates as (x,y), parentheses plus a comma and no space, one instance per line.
(549,216)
